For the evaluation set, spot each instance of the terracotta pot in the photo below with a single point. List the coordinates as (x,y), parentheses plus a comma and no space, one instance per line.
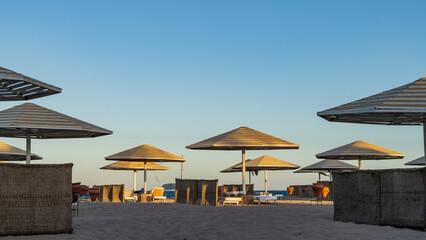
(317,187)
(76,189)
(93,194)
(325,192)
(304,190)
(290,190)
(84,190)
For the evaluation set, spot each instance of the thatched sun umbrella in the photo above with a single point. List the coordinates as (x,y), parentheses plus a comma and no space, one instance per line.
(264,163)
(243,139)
(15,86)
(134,166)
(29,120)
(11,153)
(312,171)
(405,105)
(144,154)
(330,165)
(360,150)
(416,162)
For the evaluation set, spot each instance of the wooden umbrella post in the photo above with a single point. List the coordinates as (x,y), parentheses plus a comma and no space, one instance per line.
(144,178)
(244,171)
(28,153)
(266,181)
(424,140)
(359,164)
(134,180)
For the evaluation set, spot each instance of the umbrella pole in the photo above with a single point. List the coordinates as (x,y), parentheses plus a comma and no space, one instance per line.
(249,177)
(144,178)
(359,164)
(244,171)
(424,139)
(319,177)
(266,180)
(28,154)
(134,180)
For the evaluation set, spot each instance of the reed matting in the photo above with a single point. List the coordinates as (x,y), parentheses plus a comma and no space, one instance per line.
(35,199)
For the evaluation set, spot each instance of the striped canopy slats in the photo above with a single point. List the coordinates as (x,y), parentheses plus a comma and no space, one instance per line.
(360,150)
(416,162)
(145,153)
(243,138)
(40,122)
(233,168)
(11,153)
(132,165)
(15,86)
(405,105)
(263,163)
(329,165)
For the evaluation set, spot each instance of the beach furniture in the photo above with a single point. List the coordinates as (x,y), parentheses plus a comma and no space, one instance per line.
(145,153)
(360,150)
(264,163)
(29,121)
(134,166)
(15,86)
(266,198)
(231,200)
(243,139)
(157,194)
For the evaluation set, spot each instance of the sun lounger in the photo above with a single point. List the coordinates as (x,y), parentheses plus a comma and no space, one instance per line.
(157,193)
(129,196)
(266,198)
(232,200)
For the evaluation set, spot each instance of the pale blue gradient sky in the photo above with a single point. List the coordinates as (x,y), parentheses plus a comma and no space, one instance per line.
(172,73)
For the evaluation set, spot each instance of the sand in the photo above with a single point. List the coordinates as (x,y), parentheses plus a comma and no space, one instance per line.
(180,221)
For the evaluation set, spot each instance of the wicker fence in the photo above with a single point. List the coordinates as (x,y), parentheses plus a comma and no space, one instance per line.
(196,192)
(35,199)
(394,197)
(111,193)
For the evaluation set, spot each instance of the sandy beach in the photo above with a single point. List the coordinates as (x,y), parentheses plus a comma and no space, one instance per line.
(180,221)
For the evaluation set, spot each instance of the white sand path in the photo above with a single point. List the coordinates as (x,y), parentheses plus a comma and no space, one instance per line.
(180,221)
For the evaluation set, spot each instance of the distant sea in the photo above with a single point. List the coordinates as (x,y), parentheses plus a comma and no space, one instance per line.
(171,193)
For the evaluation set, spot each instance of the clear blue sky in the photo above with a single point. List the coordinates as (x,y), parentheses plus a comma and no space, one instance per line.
(171,73)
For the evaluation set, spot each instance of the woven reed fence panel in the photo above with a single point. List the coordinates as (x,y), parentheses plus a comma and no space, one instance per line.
(196,192)
(35,199)
(395,197)
(111,193)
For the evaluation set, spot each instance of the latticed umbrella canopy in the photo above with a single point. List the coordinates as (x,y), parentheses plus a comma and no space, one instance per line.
(360,150)
(40,122)
(264,163)
(15,86)
(329,165)
(405,105)
(132,165)
(11,153)
(243,138)
(267,163)
(416,162)
(29,120)
(145,153)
